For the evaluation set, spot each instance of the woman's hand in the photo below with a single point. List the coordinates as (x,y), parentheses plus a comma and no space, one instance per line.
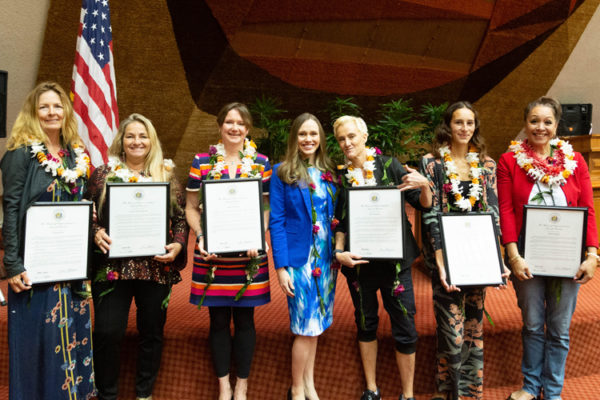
(520,269)
(505,276)
(285,282)
(204,253)
(173,250)
(442,274)
(413,180)
(349,259)
(252,253)
(102,240)
(586,270)
(19,283)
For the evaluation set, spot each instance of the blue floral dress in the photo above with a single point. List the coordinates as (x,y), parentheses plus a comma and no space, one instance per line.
(306,316)
(50,341)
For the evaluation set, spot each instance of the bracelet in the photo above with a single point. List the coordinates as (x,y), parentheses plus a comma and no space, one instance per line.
(198,236)
(595,255)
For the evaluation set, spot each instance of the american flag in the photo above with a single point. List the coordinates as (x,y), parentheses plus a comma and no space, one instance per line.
(93,87)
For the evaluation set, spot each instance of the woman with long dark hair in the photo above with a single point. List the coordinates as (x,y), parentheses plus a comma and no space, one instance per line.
(462,178)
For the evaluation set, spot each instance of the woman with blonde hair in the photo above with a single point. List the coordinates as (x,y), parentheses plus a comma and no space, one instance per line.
(45,161)
(366,166)
(303,196)
(135,156)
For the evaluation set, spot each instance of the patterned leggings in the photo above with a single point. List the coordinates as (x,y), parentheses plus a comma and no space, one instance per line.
(459,317)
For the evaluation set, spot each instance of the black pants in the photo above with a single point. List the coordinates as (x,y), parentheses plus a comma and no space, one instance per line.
(380,275)
(221,343)
(111,315)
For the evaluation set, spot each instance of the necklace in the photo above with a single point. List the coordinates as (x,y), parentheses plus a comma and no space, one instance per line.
(355,175)
(475,188)
(59,167)
(120,172)
(248,169)
(553,170)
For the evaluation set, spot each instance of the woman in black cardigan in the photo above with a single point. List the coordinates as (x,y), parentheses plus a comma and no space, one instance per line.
(45,161)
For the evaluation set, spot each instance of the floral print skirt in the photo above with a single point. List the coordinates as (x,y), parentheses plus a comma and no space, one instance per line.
(50,343)
(307,318)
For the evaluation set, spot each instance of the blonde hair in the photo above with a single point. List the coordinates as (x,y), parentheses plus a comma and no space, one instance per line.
(27,127)
(153,164)
(358,122)
(293,169)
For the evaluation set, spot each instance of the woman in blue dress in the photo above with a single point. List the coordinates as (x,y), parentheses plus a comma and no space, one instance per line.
(303,197)
(48,323)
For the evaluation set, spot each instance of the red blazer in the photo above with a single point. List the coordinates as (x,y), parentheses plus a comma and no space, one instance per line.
(514,188)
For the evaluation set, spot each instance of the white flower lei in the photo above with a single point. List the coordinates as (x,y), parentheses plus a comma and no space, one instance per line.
(355,175)
(248,168)
(528,163)
(475,188)
(120,171)
(56,168)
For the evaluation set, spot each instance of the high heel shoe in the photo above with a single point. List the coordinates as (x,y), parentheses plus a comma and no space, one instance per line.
(289,394)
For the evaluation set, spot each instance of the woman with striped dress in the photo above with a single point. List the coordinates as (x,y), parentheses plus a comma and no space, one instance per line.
(229,286)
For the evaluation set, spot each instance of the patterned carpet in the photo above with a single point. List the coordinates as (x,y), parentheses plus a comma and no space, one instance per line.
(187,373)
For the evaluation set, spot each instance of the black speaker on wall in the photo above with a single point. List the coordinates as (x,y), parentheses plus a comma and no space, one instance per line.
(3,80)
(576,120)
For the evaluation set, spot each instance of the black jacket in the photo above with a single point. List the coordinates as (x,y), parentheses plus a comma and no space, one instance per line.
(23,180)
(395,171)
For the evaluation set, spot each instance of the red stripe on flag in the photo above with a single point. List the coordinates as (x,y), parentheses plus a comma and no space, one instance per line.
(113,96)
(94,90)
(94,133)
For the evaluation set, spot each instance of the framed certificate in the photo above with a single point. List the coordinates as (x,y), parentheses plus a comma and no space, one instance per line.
(376,222)
(138,218)
(57,241)
(554,239)
(471,250)
(232,216)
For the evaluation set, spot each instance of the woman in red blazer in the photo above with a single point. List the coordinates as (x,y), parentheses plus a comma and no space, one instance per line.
(543,170)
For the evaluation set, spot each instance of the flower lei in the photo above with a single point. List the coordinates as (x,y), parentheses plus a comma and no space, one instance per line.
(67,177)
(316,271)
(355,176)
(475,176)
(248,168)
(120,172)
(552,171)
